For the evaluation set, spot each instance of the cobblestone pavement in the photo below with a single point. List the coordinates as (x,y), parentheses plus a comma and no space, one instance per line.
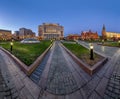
(14,84)
(113,86)
(7,90)
(60,79)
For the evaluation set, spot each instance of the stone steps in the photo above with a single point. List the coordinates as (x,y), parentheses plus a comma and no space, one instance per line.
(36,75)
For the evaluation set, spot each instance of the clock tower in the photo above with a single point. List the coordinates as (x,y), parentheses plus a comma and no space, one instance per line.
(104,32)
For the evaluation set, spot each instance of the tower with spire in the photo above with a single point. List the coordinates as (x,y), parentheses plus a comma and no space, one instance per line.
(104,32)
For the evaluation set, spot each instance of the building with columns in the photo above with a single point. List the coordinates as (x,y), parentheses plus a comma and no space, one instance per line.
(51,31)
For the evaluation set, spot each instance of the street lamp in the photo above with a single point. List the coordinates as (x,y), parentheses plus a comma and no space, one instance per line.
(91,52)
(11,44)
(119,42)
(102,42)
(51,40)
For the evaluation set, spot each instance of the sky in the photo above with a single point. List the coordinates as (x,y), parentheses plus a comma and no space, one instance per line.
(74,15)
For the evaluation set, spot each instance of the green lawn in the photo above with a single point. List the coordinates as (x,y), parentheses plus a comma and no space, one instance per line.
(113,44)
(27,53)
(83,53)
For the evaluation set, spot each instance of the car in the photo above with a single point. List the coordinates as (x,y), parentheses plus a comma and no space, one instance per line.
(30,40)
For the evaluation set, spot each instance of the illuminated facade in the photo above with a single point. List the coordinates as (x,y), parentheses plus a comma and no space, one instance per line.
(5,34)
(109,35)
(23,33)
(50,31)
(16,35)
(73,37)
(89,35)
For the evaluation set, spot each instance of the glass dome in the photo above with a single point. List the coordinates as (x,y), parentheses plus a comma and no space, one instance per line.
(30,40)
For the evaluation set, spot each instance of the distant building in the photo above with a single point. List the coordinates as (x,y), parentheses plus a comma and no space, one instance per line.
(109,35)
(104,36)
(50,31)
(73,37)
(26,33)
(16,35)
(5,34)
(89,35)
(23,33)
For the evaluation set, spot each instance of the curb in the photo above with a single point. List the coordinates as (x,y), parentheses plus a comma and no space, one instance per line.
(27,70)
(84,66)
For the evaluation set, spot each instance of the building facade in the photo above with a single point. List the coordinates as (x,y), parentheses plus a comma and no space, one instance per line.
(89,35)
(5,34)
(23,33)
(51,31)
(73,37)
(16,35)
(109,35)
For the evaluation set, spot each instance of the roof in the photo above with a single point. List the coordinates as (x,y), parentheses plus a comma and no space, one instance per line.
(5,30)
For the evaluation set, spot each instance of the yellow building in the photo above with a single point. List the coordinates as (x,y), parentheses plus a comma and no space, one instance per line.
(50,31)
(112,35)
(5,34)
(109,35)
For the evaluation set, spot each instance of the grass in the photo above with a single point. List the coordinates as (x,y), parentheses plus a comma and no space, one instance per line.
(27,53)
(70,40)
(83,54)
(112,44)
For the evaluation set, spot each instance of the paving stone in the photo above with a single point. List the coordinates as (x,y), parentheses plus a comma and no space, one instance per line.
(113,86)
(61,79)
(15,95)
(60,76)
(13,91)
(8,97)
(75,95)
(7,93)
(25,94)
(94,95)
(1,88)
(1,95)
(102,86)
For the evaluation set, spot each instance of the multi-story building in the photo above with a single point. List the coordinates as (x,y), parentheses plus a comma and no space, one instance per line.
(5,34)
(89,35)
(16,35)
(24,33)
(109,35)
(50,31)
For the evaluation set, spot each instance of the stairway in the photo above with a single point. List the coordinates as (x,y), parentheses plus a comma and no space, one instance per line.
(36,75)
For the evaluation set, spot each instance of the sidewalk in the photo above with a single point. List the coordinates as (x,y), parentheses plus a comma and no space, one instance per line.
(15,84)
(62,79)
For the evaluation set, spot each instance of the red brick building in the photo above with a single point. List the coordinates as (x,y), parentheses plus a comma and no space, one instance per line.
(89,35)
(73,37)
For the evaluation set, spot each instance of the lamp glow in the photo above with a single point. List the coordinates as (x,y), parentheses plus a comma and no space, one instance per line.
(91,52)
(11,46)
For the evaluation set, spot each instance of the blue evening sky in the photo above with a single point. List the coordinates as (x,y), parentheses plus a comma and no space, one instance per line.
(74,15)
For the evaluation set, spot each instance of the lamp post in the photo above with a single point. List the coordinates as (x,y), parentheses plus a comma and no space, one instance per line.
(11,44)
(91,52)
(102,42)
(119,42)
(51,40)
